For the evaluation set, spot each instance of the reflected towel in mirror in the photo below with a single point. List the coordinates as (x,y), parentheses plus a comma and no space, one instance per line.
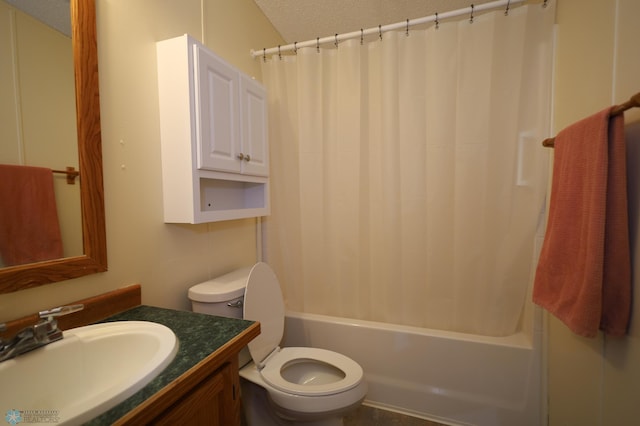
(29,227)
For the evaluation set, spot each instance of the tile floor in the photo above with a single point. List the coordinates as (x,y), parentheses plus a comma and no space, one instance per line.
(369,416)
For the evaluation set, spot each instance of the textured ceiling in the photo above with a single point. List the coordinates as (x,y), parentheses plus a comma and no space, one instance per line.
(54,13)
(295,20)
(301,20)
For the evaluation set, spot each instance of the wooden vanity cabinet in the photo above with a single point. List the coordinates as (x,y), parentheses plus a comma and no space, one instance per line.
(214,401)
(206,395)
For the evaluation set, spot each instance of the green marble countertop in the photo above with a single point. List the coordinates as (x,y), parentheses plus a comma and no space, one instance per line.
(199,335)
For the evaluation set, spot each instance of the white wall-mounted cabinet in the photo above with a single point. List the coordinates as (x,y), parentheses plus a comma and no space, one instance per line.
(213,124)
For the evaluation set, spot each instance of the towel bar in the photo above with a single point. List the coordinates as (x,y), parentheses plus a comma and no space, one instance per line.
(634,101)
(71,173)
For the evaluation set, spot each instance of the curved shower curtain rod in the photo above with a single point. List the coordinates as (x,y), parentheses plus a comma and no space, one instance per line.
(384,28)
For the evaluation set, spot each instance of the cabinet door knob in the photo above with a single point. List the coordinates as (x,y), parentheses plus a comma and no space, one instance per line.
(241,156)
(247,157)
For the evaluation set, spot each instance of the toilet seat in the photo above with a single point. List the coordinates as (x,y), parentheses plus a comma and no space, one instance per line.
(272,371)
(263,302)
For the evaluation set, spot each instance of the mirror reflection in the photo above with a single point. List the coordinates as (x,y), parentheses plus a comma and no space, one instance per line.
(89,152)
(40,217)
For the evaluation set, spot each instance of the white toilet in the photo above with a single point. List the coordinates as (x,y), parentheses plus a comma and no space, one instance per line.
(296,384)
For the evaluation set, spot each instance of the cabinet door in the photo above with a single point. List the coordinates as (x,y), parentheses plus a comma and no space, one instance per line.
(217,112)
(214,402)
(254,134)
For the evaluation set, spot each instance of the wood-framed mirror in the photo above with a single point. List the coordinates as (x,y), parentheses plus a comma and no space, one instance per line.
(94,258)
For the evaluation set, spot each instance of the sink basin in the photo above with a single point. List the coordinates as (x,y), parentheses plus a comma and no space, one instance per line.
(89,371)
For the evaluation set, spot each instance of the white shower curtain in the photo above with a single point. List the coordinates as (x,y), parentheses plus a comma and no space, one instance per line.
(407,174)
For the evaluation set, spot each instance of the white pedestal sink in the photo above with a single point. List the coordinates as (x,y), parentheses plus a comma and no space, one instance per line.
(89,371)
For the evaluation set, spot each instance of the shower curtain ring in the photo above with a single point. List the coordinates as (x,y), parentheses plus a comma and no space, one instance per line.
(264,54)
(506,11)
(361,36)
(471,17)
(437,21)
(407,33)
(336,42)
(279,54)
(318,44)
(295,47)
(380,31)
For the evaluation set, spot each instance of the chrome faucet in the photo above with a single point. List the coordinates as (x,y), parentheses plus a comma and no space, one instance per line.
(38,335)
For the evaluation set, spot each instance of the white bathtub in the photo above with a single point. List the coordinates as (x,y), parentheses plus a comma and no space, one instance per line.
(452,378)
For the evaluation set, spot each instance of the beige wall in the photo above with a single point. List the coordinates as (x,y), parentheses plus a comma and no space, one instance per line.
(591,382)
(597,381)
(165,259)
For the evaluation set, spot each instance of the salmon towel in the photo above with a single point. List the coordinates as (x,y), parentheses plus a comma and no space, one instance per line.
(584,272)
(29,227)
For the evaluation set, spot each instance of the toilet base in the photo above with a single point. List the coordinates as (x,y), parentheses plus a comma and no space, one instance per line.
(258,410)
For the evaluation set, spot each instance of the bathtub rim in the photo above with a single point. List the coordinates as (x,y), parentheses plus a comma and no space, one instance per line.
(520,339)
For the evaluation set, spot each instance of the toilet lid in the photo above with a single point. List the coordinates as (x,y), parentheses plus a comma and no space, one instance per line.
(263,303)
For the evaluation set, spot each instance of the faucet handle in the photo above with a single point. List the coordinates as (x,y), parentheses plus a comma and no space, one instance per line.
(60,311)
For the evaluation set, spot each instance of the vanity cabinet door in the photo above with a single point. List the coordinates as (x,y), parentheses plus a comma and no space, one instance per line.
(215,401)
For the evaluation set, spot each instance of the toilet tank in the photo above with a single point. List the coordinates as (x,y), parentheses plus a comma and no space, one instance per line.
(222,296)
